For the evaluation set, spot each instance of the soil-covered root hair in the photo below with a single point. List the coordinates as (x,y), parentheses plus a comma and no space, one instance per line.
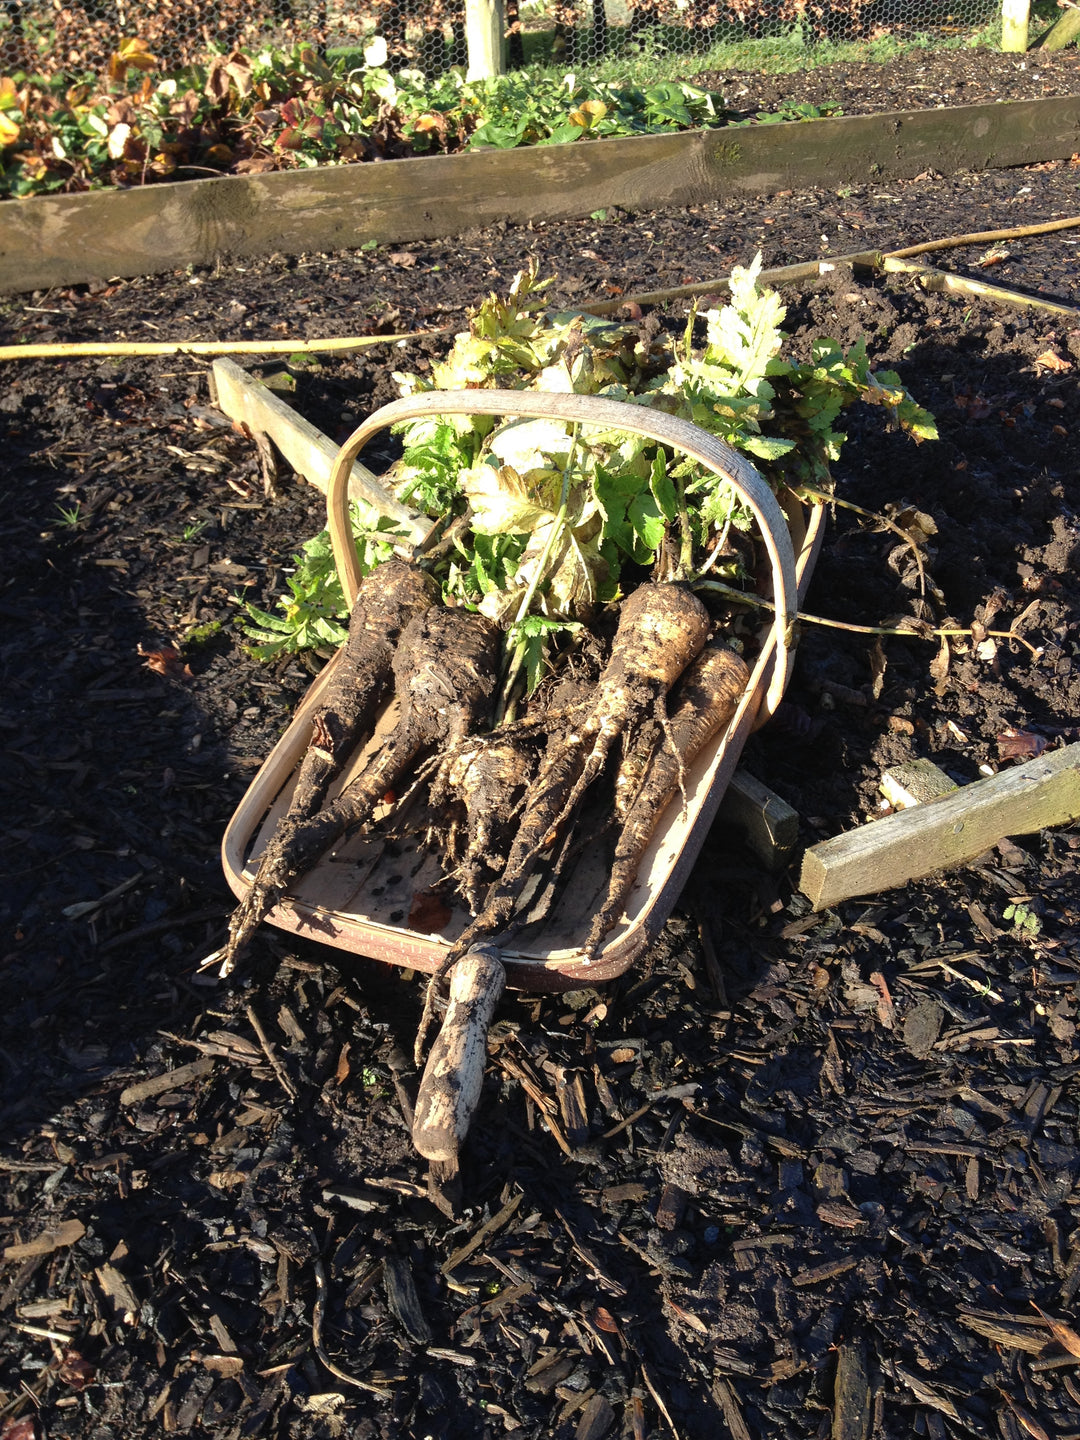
(445,669)
(662,627)
(708,696)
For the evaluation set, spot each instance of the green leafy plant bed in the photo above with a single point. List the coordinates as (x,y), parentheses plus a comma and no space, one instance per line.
(248,113)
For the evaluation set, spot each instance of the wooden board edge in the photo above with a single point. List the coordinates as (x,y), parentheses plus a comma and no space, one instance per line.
(247,401)
(70,239)
(946,832)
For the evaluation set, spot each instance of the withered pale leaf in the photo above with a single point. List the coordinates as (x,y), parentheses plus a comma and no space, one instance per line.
(1064,1334)
(939,667)
(926,1393)
(878,662)
(1050,360)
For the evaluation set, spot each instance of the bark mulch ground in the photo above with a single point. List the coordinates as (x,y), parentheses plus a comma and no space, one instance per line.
(794,1175)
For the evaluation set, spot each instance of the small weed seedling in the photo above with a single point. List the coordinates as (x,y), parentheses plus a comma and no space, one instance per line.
(1025,921)
(70,518)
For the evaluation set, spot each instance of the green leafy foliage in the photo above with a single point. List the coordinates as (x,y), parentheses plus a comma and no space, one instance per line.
(550,515)
(251,111)
(314,609)
(540,110)
(789,111)
(484,568)
(1025,920)
(780,411)
(530,639)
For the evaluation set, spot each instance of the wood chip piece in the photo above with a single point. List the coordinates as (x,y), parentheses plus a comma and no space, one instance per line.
(118,1293)
(1013,1332)
(852,1397)
(167,1080)
(725,1396)
(57,1237)
(403,1300)
(596,1419)
(549,1371)
(820,1273)
(227,1366)
(670,1207)
(472,1245)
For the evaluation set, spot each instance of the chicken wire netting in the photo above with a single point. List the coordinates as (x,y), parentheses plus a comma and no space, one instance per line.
(50,37)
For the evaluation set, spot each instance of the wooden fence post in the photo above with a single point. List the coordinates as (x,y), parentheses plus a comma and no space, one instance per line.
(1064,31)
(1014,24)
(484,38)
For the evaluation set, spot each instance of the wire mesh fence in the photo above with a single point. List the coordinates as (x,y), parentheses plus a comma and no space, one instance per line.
(48,37)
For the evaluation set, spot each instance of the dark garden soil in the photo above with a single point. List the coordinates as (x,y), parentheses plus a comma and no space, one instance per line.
(793,1175)
(916,81)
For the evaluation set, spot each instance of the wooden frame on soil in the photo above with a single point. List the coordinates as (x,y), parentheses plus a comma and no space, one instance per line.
(70,239)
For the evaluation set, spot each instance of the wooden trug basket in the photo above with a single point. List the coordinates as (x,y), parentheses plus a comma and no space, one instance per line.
(359,897)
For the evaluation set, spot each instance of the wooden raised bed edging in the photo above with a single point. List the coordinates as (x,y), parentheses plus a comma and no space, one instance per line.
(950,830)
(69,239)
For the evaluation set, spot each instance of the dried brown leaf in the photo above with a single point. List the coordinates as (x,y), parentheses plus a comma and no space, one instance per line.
(878,663)
(1024,1418)
(24,1429)
(167,662)
(429,913)
(688,1318)
(916,524)
(1050,360)
(76,1371)
(939,667)
(1020,745)
(1064,1334)
(886,1011)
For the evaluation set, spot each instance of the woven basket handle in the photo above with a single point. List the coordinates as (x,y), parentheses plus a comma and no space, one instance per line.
(682,435)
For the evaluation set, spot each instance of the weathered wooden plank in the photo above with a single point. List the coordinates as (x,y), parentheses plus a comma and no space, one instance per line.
(1064,31)
(310,453)
(948,831)
(914,782)
(769,824)
(65,239)
(930,278)
(1015,19)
